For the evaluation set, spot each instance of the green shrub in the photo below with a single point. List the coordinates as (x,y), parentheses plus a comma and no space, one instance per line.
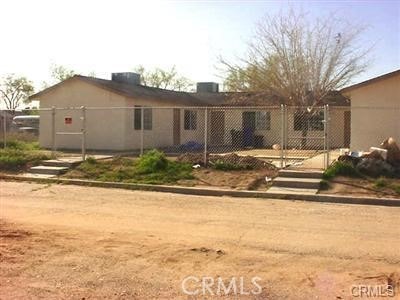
(21,145)
(396,188)
(381,182)
(151,168)
(151,162)
(91,160)
(323,185)
(341,169)
(225,166)
(15,159)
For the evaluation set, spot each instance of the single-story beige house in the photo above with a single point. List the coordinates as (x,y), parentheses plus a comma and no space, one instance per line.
(172,118)
(375,110)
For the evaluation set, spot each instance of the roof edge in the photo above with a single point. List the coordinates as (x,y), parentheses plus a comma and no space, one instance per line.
(50,88)
(369,81)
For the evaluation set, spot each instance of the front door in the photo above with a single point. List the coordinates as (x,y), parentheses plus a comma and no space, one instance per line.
(347,128)
(248,126)
(217,127)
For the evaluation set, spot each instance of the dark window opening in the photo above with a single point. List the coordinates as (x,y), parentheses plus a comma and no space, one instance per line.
(190,120)
(307,121)
(147,118)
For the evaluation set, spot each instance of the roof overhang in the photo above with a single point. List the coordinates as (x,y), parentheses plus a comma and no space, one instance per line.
(350,88)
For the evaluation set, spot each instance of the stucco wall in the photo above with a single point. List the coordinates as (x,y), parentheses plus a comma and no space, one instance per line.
(375,113)
(104,128)
(113,129)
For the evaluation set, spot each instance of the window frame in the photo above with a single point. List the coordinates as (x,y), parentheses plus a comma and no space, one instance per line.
(147,118)
(263,123)
(315,121)
(190,119)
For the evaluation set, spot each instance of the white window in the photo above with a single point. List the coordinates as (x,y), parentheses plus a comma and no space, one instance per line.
(263,120)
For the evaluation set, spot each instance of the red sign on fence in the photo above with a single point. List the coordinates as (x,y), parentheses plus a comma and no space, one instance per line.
(68,120)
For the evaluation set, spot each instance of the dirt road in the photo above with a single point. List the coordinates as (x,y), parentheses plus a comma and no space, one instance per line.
(69,242)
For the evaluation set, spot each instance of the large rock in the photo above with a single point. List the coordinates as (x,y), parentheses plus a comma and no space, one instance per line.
(349,159)
(393,151)
(191,158)
(373,155)
(375,167)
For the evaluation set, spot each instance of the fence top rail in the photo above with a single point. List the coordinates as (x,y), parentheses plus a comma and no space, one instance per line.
(348,108)
(173,107)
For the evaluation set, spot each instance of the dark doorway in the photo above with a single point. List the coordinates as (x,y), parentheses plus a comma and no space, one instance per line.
(248,126)
(217,127)
(347,128)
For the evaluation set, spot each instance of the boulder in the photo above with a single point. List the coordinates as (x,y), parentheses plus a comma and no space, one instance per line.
(191,158)
(373,155)
(393,151)
(276,147)
(375,167)
(253,162)
(349,159)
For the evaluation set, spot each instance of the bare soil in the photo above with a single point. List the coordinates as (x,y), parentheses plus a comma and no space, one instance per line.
(237,179)
(70,242)
(356,187)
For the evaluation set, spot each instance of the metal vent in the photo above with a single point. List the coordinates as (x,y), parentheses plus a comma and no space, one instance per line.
(126,77)
(207,87)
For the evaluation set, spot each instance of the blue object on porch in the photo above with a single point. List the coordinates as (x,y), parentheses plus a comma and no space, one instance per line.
(248,136)
(191,146)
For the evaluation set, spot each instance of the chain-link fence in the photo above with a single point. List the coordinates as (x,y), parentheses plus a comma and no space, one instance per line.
(286,136)
(19,127)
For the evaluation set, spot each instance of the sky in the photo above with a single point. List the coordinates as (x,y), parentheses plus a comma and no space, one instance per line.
(115,36)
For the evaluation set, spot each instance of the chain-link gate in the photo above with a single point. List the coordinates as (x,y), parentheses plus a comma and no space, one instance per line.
(305,137)
(285,136)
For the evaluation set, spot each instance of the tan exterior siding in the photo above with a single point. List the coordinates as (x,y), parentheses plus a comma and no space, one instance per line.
(113,129)
(375,113)
(105,128)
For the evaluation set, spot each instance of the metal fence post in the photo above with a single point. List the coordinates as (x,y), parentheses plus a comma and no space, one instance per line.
(5,128)
(141,130)
(285,134)
(53,131)
(328,154)
(205,134)
(83,133)
(282,132)
(326,137)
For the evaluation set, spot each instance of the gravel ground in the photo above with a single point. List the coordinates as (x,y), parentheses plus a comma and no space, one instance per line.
(70,242)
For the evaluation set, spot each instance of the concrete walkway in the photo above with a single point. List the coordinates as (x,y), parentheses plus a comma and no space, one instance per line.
(316,162)
(54,167)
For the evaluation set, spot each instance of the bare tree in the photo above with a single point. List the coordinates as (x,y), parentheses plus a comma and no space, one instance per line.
(15,90)
(298,59)
(164,79)
(60,73)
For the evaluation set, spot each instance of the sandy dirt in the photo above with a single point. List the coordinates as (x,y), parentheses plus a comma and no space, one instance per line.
(69,242)
(238,179)
(357,187)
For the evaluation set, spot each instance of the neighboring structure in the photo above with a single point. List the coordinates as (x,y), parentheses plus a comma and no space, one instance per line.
(171,118)
(375,110)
